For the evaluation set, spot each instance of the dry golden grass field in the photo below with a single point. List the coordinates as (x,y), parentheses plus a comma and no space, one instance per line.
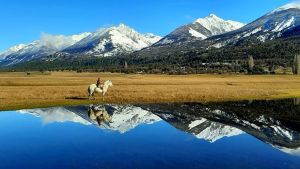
(18,90)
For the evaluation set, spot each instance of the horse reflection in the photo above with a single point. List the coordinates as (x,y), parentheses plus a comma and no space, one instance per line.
(99,114)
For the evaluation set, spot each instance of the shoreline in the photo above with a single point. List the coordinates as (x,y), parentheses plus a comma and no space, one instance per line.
(59,104)
(20,91)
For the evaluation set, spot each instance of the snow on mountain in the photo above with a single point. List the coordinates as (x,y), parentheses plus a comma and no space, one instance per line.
(124,118)
(46,45)
(152,38)
(200,29)
(285,24)
(217,25)
(11,50)
(212,122)
(260,124)
(196,123)
(214,131)
(57,114)
(293,5)
(268,27)
(200,127)
(196,34)
(294,152)
(113,40)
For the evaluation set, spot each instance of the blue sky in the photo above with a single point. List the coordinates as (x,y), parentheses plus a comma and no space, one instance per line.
(24,21)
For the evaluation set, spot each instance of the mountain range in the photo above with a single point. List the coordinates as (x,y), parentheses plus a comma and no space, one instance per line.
(273,25)
(114,40)
(206,33)
(200,29)
(273,122)
(280,23)
(46,45)
(103,42)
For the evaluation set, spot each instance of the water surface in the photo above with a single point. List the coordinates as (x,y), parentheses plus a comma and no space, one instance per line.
(257,134)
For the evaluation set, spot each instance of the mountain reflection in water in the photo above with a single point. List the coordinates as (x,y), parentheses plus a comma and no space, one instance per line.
(112,117)
(274,122)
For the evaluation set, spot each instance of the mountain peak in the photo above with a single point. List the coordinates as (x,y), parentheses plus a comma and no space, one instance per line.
(200,29)
(217,25)
(122,26)
(293,5)
(112,41)
(213,16)
(123,29)
(208,18)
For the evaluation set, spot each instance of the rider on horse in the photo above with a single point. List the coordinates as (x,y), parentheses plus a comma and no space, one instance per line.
(99,83)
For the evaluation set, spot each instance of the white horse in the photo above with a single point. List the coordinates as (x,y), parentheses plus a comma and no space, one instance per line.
(93,88)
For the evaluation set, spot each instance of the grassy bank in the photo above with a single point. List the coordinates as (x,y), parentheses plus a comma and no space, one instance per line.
(19,90)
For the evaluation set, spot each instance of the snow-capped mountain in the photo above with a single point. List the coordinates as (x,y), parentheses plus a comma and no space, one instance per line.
(212,131)
(56,115)
(268,27)
(11,50)
(293,5)
(124,118)
(200,127)
(217,26)
(274,122)
(111,41)
(104,42)
(272,127)
(200,29)
(46,45)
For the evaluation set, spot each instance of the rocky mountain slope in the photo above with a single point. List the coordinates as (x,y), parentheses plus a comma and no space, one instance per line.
(200,29)
(111,41)
(104,42)
(268,27)
(46,45)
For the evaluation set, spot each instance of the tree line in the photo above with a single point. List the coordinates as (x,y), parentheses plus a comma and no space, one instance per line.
(251,58)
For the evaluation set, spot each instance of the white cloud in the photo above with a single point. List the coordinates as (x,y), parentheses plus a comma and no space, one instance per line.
(59,41)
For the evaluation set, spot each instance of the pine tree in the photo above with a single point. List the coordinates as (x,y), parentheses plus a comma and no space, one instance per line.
(250,63)
(237,66)
(296,65)
(126,65)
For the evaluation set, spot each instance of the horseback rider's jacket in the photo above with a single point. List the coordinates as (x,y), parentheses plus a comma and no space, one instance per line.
(99,83)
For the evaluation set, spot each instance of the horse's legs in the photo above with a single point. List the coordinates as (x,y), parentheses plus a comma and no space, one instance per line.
(103,94)
(91,96)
